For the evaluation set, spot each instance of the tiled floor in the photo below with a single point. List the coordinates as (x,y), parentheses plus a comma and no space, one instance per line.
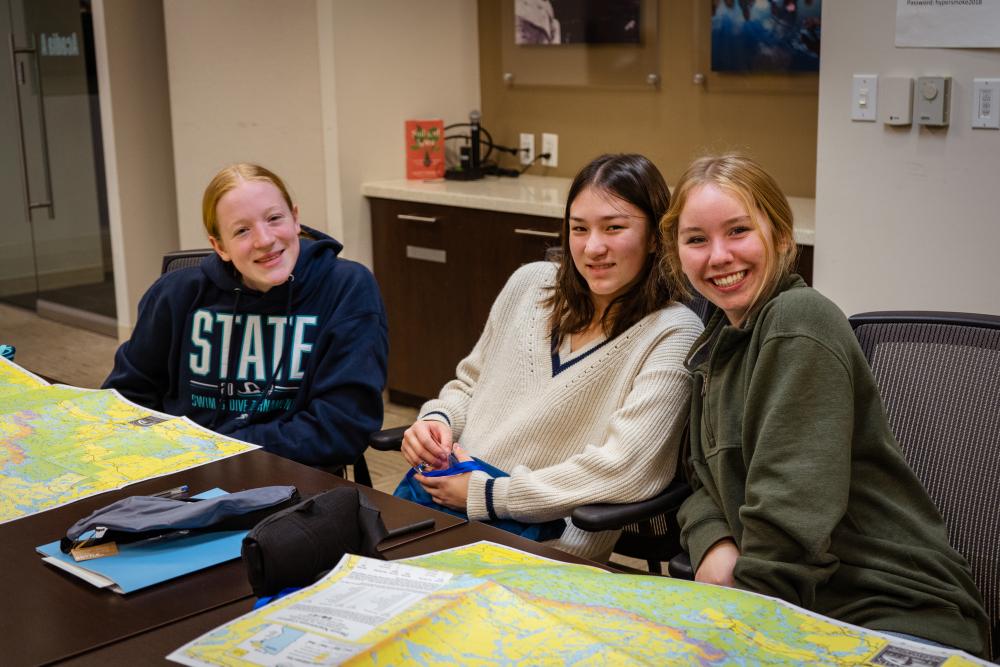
(84,359)
(71,355)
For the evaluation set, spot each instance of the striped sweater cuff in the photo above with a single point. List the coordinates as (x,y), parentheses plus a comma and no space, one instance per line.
(490,510)
(436,416)
(475,504)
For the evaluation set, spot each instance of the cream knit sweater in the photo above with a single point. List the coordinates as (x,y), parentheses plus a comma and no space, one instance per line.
(605,428)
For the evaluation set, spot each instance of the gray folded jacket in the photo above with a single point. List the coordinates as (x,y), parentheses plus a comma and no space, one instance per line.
(141,517)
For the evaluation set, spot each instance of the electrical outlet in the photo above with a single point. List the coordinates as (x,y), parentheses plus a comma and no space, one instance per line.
(527,153)
(550,145)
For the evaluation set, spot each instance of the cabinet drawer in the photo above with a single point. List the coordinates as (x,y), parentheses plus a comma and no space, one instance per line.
(419,225)
(440,268)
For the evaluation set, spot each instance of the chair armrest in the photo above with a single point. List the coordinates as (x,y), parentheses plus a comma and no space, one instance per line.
(388,440)
(679,567)
(607,516)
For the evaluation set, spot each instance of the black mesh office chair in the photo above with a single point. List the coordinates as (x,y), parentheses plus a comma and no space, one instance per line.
(939,378)
(180,259)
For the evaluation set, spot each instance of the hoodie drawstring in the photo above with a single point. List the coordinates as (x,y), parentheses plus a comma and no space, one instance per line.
(269,389)
(229,361)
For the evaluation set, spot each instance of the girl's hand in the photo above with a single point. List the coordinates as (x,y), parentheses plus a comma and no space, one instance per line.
(451,491)
(718,564)
(460,453)
(427,443)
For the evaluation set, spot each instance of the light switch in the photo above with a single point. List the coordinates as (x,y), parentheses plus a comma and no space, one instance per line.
(864,96)
(932,105)
(986,103)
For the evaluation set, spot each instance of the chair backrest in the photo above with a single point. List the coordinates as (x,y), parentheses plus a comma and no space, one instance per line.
(939,378)
(180,259)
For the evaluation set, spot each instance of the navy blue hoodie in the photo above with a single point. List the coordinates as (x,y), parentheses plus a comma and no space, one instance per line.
(305,373)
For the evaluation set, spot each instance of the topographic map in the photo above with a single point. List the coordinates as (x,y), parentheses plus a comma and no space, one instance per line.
(59,444)
(488,604)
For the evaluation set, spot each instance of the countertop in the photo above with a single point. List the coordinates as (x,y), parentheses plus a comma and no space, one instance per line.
(529,195)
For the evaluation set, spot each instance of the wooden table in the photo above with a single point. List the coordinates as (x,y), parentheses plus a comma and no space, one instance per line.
(49,615)
(152,646)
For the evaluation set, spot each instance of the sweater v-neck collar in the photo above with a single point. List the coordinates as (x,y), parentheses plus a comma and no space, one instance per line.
(558,366)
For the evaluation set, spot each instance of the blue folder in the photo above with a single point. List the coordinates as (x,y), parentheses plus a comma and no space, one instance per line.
(143,564)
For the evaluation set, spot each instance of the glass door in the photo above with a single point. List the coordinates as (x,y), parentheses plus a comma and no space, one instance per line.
(55,249)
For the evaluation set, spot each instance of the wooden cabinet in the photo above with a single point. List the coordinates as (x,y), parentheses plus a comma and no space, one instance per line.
(439,269)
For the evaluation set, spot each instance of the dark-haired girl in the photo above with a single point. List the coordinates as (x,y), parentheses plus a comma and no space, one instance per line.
(576,387)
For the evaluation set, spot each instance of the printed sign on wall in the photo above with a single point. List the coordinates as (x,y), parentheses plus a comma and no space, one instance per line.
(948,23)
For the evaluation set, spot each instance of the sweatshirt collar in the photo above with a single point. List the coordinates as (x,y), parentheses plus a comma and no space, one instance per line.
(719,328)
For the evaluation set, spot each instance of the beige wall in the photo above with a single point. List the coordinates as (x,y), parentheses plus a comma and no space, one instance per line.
(245,86)
(317,90)
(906,218)
(770,117)
(394,60)
(135,121)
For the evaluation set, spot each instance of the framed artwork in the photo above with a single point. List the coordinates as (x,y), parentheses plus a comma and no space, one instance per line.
(612,44)
(554,22)
(765,35)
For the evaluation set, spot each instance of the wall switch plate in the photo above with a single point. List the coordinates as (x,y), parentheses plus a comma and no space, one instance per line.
(550,145)
(864,96)
(986,103)
(932,100)
(527,153)
(895,100)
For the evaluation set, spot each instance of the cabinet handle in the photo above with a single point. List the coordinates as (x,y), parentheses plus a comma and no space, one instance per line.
(426,254)
(415,218)
(537,232)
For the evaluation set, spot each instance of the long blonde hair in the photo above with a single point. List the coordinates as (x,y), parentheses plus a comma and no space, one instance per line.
(746,180)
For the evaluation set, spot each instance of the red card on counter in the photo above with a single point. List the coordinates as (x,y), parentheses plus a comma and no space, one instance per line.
(424,149)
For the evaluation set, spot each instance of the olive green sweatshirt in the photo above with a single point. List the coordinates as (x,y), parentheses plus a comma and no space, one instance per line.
(792,457)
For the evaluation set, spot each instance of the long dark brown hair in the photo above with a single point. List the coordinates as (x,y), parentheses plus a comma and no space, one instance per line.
(635,180)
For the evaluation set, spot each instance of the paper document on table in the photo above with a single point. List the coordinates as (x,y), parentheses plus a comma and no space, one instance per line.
(59,444)
(324,624)
(497,605)
(92,578)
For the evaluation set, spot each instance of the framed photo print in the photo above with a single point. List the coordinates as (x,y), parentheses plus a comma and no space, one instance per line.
(554,22)
(765,35)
